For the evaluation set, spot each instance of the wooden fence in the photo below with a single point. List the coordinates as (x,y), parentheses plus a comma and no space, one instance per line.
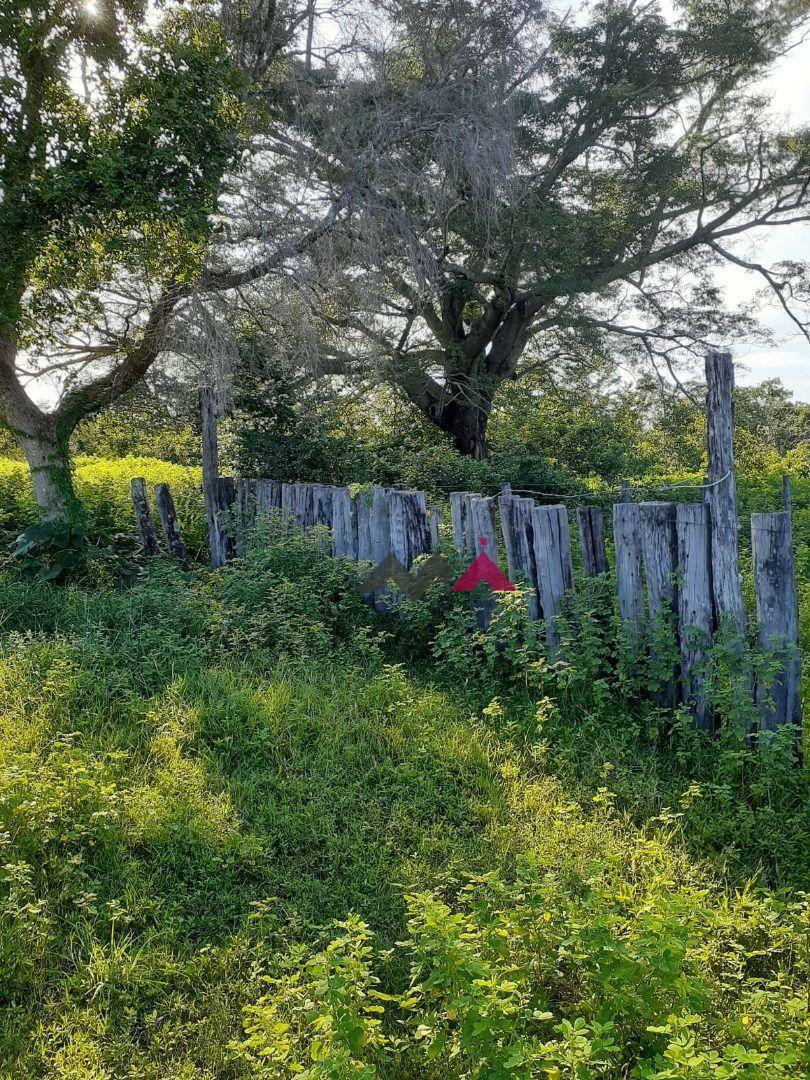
(675,566)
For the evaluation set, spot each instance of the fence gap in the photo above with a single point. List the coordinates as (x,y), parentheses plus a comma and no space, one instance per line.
(435,522)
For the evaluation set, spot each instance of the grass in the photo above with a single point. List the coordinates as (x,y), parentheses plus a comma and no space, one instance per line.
(239,839)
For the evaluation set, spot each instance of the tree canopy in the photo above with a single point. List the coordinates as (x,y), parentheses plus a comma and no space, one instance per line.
(541,188)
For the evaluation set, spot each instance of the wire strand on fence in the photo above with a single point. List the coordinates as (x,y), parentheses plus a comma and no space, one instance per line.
(604,493)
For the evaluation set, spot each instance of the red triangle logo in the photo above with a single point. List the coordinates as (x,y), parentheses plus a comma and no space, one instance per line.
(483,569)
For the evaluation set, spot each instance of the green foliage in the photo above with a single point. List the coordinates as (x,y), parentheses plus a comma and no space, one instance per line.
(103,486)
(123,180)
(51,550)
(320,1018)
(289,597)
(237,841)
(155,420)
(564,435)
(59,551)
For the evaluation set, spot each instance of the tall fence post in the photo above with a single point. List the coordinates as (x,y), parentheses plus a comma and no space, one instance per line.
(695,609)
(170,524)
(143,516)
(629,589)
(777,619)
(659,553)
(721,495)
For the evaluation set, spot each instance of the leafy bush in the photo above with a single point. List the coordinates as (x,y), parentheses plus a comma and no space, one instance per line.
(59,551)
(51,550)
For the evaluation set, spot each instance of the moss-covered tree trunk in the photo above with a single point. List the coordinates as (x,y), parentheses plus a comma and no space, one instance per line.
(47,457)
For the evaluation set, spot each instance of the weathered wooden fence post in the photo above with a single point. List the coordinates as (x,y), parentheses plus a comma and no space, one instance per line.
(555,571)
(778,619)
(721,496)
(365,510)
(287,516)
(592,541)
(629,589)
(171,526)
(695,609)
(659,553)
(435,521)
(507,506)
(518,538)
(304,506)
(380,524)
(460,517)
(268,497)
(410,533)
(322,496)
(344,524)
(143,516)
(246,510)
(483,527)
(212,494)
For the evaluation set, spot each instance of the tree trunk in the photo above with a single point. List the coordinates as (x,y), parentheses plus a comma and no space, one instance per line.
(466,424)
(47,457)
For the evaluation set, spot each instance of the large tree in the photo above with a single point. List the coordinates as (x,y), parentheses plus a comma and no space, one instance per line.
(537,187)
(126,135)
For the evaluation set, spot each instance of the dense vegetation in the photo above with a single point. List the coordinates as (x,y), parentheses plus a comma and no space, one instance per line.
(251,828)
(250,825)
